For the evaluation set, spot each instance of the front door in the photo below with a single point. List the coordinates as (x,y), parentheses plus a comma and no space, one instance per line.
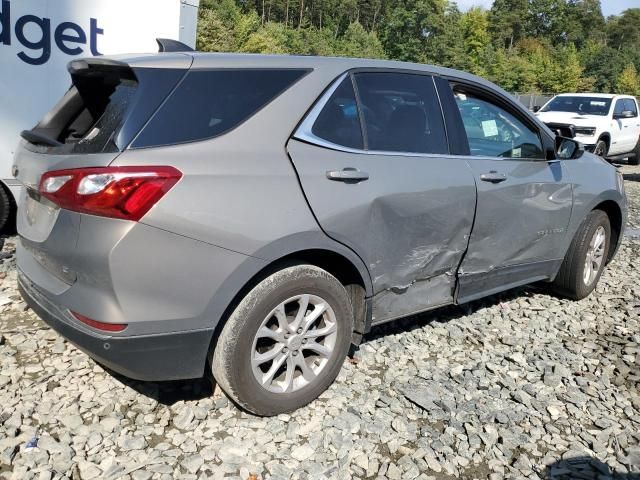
(387,187)
(524,201)
(626,129)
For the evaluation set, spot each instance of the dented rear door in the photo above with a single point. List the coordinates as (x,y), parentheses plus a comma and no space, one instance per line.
(407,215)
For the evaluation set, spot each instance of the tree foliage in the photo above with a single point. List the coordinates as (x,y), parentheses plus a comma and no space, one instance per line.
(523,45)
(629,81)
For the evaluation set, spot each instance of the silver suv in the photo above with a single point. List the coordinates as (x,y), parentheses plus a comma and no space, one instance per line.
(257,215)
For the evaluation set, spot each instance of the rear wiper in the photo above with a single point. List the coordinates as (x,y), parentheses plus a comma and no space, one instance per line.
(39,139)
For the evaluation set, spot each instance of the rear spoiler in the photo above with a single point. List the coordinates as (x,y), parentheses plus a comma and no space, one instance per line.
(103,64)
(76,67)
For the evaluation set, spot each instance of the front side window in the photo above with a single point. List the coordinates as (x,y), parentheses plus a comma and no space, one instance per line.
(619,108)
(339,122)
(494,132)
(630,106)
(401,113)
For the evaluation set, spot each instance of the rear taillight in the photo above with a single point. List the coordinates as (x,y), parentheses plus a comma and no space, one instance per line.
(116,192)
(105,327)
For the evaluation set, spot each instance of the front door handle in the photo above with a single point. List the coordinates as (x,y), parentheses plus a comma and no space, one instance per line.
(493,177)
(348,175)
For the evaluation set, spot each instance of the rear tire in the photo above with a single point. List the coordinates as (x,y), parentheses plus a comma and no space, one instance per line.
(586,257)
(636,159)
(269,359)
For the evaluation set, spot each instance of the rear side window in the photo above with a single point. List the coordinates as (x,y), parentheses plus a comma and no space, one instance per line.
(630,106)
(209,103)
(338,122)
(401,113)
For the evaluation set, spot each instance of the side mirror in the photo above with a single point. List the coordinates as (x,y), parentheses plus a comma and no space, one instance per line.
(568,148)
(536,108)
(624,114)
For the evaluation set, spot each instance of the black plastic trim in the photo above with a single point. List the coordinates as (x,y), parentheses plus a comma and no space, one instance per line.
(456,134)
(171,356)
(478,285)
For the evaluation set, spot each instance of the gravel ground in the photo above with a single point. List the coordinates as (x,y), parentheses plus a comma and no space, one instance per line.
(520,385)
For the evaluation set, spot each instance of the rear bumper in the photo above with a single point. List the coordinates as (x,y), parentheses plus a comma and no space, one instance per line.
(169,356)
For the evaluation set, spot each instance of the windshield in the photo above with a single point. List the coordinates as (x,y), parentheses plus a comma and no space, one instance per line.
(581,105)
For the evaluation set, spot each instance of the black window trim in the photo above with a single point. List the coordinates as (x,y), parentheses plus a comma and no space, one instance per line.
(363,127)
(303,131)
(499,100)
(456,133)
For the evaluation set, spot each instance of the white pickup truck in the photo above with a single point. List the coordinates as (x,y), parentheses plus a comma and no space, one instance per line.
(608,125)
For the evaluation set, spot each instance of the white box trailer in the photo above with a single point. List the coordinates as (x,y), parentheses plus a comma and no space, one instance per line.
(39,37)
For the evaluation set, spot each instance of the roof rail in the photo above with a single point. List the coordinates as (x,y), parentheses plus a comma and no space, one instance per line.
(168,45)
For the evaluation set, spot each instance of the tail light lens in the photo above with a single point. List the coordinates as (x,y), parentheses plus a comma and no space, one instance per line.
(117,192)
(105,327)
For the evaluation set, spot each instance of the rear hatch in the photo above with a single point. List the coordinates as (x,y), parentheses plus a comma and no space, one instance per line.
(107,105)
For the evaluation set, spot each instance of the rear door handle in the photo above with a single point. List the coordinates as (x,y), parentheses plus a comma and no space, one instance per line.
(348,175)
(493,177)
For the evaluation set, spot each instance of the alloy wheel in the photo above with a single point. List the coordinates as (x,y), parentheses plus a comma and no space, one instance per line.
(294,343)
(595,255)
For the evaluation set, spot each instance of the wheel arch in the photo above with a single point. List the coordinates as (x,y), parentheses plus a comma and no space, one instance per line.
(614,212)
(312,248)
(606,136)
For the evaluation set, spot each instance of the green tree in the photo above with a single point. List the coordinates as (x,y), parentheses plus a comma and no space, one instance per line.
(448,48)
(357,42)
(222,27)
(628,81)
(584,22)
(604,64)
(507,21)
(272,38)
(568,71)
(475,31)
(546,20)
(523,45)
(624,31)
(411,28)
(318,41)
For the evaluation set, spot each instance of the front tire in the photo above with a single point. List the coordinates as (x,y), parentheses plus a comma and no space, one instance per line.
(286,341)
(5,209)
(601,149)
(586,258)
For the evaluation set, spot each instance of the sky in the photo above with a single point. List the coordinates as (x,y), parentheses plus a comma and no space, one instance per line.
(609,7)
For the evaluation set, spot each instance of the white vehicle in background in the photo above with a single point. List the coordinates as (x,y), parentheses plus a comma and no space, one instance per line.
(608,125)
(39,37)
